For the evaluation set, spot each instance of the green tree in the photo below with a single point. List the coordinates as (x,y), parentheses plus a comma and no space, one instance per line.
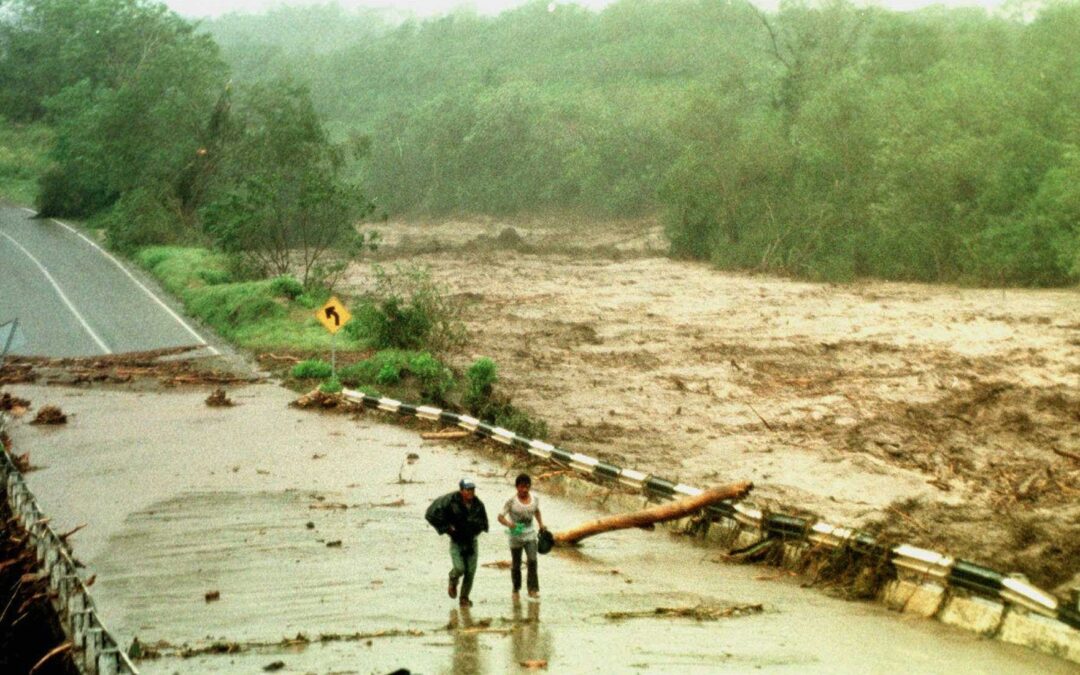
(281,203)
(130,88)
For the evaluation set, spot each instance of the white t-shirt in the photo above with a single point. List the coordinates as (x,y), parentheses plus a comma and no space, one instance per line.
(525,514)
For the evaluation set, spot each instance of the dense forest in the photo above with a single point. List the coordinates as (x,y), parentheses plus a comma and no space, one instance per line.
(825,139)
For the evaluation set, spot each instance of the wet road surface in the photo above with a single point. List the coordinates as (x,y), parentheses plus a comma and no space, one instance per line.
(298,520)
(74,299)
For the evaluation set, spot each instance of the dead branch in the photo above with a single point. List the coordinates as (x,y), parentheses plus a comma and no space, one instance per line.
(1066,453)
(70,532)
(656,514)
(442,435)
(767,426)
(55,651)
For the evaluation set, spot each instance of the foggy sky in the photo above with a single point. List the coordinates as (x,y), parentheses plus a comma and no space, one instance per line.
(211,8)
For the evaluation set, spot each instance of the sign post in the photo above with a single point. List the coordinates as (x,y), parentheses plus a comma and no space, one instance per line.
(10,338)
(333,315)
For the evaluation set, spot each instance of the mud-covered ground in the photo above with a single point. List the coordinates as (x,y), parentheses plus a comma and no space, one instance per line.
(942,416)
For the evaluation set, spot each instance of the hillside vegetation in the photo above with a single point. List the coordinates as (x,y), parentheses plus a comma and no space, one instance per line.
(824,139)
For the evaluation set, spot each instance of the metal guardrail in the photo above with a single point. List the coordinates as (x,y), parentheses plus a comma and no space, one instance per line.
(96,651)
(943,569)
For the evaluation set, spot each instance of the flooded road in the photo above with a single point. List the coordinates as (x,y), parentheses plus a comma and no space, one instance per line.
(323,562)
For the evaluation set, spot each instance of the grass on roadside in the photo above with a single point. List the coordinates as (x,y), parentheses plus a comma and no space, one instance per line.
(261,315)
(277,314)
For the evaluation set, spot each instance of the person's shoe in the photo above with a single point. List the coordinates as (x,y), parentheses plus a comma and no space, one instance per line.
(515,596)
(534,595)
(451,590)
(465,602)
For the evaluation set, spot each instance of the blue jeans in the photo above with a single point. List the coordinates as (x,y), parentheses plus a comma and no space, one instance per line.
(464,565)
(533,577)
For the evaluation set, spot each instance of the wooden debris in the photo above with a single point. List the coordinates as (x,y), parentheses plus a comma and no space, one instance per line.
(397,503)
(64,536)
(55,651)
(444,435)
(1065,453)
(657,514)
(50,414)
(10,403)
(218,399)
(698,613)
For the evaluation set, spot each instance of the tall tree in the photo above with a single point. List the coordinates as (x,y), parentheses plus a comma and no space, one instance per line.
(281,203)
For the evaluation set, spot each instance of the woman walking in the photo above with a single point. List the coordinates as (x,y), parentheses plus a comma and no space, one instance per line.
(521,514)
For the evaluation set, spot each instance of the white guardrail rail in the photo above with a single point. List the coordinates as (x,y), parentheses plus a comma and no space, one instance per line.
(927,565)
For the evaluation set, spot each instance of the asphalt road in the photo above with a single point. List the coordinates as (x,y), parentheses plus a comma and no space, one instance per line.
(72,298)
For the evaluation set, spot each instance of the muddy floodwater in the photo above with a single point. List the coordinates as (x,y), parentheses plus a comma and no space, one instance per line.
(941,416)
(285,538)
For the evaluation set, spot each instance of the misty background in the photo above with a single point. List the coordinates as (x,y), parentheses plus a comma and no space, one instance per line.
(825,140)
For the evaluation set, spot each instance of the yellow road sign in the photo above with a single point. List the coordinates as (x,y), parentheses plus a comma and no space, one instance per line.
(333,315)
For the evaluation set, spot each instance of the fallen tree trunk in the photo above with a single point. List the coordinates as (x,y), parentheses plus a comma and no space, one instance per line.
(655,514)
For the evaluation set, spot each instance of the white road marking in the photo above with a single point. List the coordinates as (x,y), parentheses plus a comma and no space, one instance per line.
(60,292)
(138,283)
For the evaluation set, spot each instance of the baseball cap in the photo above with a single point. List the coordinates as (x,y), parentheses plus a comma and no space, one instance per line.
(467,483)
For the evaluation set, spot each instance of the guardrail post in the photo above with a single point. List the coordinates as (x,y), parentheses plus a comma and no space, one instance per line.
(108,662)
(95,643)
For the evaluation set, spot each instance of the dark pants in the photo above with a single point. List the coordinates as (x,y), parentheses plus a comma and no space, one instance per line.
(463,557)
(533,579)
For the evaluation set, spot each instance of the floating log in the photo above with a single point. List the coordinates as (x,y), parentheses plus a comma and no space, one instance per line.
(655,514)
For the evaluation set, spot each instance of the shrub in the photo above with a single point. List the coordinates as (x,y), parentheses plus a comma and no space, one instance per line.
(312,368)
(287,287)
(434,377)
(213,277)
(139,218)
(406,310)
(391,324)
(482,377)
(331,386)
(389,373)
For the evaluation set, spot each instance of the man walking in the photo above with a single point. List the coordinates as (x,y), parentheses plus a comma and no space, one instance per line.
(461,515)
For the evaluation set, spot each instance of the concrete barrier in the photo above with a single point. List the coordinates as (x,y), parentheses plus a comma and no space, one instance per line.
(925,583)
(96,651)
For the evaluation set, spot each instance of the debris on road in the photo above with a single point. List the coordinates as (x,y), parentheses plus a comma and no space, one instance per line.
(448,434)
(50,414)
(13,404)
(698,613)
(211,596)
(320,400)
(163,648)
(218,399)
(126,368)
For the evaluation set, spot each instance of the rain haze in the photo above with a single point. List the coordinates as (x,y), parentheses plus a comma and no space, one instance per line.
(422,8)
(800,279)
